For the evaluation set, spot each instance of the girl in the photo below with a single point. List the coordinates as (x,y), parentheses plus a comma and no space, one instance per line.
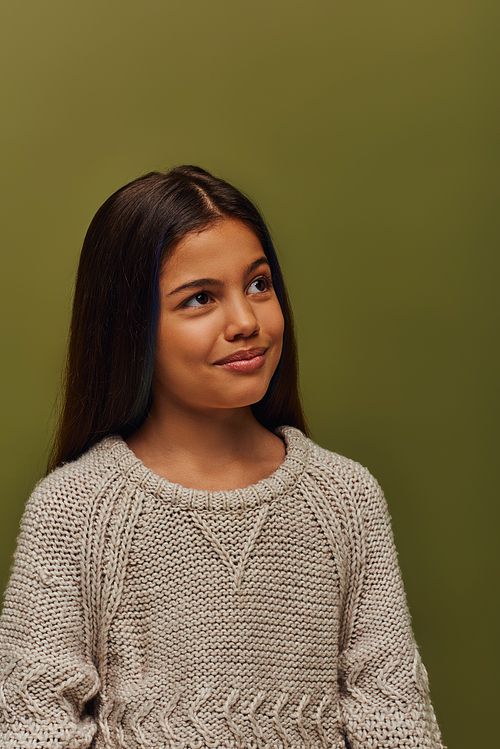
(195,572)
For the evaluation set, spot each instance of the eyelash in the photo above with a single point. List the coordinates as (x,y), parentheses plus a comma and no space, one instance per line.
(263,277)
(266,278)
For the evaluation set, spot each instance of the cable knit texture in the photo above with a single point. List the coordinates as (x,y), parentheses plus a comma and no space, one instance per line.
(141,614)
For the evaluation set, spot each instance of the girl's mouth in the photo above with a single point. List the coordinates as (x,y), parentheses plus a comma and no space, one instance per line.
(245,360)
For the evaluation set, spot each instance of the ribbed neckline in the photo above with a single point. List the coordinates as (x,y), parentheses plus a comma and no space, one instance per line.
(279,483)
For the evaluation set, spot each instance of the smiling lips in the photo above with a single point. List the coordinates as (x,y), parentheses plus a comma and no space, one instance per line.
(246,360)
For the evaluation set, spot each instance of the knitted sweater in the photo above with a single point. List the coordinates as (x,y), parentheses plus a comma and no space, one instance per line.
(144,614)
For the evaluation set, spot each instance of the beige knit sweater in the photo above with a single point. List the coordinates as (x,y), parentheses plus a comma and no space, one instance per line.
(143,614)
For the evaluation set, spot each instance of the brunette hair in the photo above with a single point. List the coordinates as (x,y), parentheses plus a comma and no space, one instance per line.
(116,306)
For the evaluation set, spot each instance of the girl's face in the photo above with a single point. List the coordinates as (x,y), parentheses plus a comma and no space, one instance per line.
(221,327)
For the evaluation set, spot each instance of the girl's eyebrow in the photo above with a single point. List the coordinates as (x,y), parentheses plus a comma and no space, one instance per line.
(214,281)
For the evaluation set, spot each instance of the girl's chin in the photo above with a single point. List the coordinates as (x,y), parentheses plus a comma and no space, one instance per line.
(232,404)
(235,394)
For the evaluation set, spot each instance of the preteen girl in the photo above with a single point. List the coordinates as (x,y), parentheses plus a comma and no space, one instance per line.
(194,571)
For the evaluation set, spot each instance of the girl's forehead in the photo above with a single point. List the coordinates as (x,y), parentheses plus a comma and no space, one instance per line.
(228,246)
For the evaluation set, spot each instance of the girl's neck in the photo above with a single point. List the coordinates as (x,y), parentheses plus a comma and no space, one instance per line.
(216,451)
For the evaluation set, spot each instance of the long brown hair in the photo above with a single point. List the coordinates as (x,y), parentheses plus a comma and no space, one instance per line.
(116,306)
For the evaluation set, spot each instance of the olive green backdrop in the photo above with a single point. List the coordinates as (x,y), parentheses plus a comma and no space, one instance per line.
(368,134)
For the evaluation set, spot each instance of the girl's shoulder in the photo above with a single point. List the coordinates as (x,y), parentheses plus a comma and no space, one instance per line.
(344,472)
(69,490)
(58,514)
(344,485)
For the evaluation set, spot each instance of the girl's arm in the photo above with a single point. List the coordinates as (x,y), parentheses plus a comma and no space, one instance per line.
(47,681)
(384,689)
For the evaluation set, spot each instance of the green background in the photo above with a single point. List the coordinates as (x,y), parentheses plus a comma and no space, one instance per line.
(368,134)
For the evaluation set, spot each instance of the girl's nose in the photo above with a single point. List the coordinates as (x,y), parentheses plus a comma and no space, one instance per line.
(241,320)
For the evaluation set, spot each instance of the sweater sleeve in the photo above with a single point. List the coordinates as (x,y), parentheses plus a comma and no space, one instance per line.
(47,681)
(384,689)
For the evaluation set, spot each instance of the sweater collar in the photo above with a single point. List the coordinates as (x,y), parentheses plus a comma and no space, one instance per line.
(279,483)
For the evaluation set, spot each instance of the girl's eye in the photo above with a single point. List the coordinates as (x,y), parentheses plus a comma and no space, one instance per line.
(198,300)
(259,285)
